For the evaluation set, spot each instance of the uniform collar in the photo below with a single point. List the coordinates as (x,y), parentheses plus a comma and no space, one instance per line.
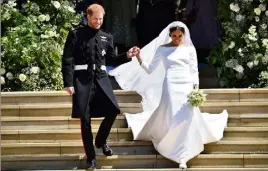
(92,29)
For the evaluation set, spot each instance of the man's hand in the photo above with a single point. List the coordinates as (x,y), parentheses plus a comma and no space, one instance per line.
(70,90)
(132,52)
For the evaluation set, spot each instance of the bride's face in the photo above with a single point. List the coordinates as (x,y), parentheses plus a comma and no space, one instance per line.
(177,37)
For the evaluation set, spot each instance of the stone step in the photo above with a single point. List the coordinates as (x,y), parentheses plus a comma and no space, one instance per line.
(118,134)
(38,110)
(123,96)
(52,123)
(65,122)
(168,169)
(128,148)
(134,161)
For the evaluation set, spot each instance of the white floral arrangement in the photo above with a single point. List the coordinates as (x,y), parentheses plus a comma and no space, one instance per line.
(197,98)
(242,56)
(32,62)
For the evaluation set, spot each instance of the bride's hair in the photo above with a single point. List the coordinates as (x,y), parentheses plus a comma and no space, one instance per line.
(176,28)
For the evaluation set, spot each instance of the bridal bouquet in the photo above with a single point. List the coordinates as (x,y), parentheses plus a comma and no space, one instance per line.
(197,98)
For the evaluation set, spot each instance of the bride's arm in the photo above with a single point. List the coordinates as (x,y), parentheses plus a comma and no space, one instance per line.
(149,67)
(194,66)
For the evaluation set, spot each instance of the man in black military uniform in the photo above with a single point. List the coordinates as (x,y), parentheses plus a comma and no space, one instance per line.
(86,53)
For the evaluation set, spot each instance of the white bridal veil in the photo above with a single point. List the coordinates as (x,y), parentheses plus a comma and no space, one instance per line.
(130,76)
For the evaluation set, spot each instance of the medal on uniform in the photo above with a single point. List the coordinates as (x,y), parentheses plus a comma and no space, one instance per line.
(103,52)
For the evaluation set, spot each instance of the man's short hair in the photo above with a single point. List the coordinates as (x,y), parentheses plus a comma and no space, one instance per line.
(95,7)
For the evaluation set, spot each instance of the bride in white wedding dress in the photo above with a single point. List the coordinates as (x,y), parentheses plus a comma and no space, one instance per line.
(164,72)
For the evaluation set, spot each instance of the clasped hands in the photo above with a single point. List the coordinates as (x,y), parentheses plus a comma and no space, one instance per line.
(134,52)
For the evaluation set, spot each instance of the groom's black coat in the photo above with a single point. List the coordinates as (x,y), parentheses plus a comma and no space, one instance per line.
(85,45)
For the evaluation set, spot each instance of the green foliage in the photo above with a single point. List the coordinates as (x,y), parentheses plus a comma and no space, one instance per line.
(242,56)
(33,37)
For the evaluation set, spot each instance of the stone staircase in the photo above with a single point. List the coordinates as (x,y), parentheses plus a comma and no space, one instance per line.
(37,133)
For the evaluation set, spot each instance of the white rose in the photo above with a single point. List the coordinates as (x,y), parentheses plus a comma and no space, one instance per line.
(22,77)
(234,7)
(42,17)
(239,68)
(12,3)
(265,60)
(264,26)
(56,4)
(250,64)
(255,62)
(262,7)
(9,76)
(239,50)
(34,70)
(257,11)
(2,80)
(252,29)
(70,9)
(265,43)
(2,71)
(43,36)
(266,13)
(232,45)
(251,37)
(257,19)
(47,17)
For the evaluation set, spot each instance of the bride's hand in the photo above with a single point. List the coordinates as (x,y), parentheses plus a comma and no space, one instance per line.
(133,52)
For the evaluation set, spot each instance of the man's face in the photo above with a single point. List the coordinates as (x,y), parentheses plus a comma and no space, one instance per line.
(95,20)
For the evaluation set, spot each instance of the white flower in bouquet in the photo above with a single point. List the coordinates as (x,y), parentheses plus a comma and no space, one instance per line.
(56,4)
(2,80)
(257,11)
(22,77)
(250,64)
(232,45)
(34,70)
(234,7)
(9,76)
(2,71)
(196,98)
(262,7)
